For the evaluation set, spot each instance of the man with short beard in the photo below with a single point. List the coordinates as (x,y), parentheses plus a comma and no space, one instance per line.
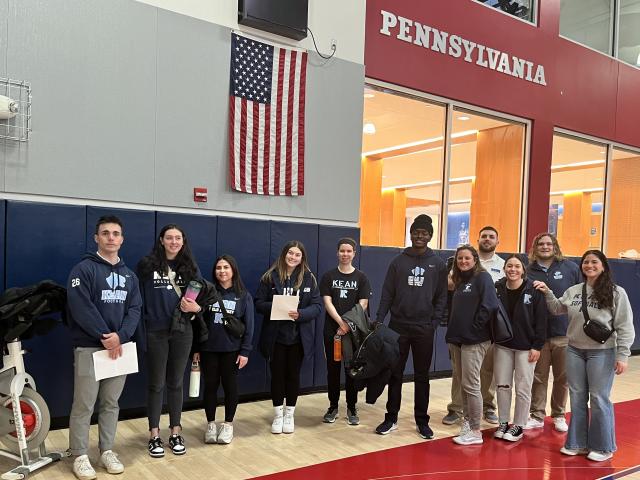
(492,263)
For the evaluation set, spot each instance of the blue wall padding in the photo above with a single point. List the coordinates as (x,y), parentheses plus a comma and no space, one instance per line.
(201,232)
(248,242)
(42,241)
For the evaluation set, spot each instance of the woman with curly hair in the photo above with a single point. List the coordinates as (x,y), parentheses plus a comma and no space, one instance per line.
(591,364)
(468,335)
(164,276)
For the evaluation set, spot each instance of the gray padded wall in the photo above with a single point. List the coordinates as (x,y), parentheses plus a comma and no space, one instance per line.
(130,103)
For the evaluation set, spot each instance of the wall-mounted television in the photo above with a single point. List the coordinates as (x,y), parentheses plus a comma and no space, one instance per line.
(282,17)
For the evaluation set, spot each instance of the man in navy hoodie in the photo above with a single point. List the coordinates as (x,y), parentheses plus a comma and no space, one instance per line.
(104,307)
(415,291)
(547,264)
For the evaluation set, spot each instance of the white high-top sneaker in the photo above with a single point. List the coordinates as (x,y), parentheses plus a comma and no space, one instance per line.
(276,426)
(288,424)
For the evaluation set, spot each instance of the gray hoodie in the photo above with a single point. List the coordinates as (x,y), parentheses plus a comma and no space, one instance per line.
(571,303)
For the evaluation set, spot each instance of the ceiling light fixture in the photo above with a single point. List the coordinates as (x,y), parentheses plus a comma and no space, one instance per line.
(419,142)
(464,118)
(577,164)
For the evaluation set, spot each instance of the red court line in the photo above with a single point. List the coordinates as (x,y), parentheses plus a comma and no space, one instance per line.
(536,456)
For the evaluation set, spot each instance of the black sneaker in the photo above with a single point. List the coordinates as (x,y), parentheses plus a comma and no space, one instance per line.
(176,443)
(514,434)
(501,430)
(386,427)
(156,447)
(424,431)
(352,416)
(331,415)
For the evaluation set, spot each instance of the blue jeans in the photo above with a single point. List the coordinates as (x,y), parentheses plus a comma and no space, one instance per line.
(590,376)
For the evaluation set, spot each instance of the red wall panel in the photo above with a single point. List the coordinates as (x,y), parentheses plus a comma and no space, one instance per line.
(586,91)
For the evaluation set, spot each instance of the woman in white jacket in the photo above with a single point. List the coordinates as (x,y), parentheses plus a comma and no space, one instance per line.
(591,364)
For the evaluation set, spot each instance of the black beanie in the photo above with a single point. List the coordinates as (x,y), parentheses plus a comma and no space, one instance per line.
(422,221)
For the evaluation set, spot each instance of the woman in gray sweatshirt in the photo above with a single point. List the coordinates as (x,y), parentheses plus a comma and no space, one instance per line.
(591,364)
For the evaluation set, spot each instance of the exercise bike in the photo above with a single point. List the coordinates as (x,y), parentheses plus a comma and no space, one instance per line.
(24,415)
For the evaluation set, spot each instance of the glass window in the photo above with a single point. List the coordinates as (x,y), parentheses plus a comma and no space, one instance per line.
(623,228)
(629,32)
(518,8)
(402,164)
(588,22)
(577,193)
(485,179)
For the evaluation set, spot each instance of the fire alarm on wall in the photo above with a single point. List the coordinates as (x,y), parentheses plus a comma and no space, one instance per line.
(199,194)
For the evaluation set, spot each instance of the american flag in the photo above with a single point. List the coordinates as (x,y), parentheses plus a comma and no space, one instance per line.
(266,118)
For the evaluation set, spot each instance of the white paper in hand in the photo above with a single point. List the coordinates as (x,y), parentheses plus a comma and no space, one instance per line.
(106,367)
(282,305)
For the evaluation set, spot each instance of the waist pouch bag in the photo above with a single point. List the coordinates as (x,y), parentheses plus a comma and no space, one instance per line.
(594,330)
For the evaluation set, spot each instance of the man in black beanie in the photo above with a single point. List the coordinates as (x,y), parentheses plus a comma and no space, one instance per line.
(415,291)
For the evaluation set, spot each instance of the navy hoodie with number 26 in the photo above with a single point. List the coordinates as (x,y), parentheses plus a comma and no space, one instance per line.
(102,298)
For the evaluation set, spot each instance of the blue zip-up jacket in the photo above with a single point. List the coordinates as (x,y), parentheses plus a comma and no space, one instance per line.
(474,304)
(558,277)
(414,289)
(529,322)
(219,339)
(160,299)
(309,308)
(102,298)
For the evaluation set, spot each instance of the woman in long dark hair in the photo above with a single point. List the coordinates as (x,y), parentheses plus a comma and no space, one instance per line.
(474,303)
(591,364)
(222,355)
(164,276)
(286,343)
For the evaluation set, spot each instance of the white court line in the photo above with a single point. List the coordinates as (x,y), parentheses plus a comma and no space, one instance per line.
(621,473)
(445,472)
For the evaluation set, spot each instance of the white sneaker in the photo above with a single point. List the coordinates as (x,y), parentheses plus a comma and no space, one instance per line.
(226,433)
(288,425)
(560,424)
(469,438)
(464,427)
(211,435)
(109,460)
(82,468)
(276,426)
(599,456)
(572,452)
(534,423)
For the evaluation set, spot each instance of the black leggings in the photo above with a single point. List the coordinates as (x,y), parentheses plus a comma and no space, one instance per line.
(218,366)
(285,373)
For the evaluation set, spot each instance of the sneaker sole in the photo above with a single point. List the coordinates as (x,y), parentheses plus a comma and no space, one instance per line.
(387,432)
(326,420)
(211,441)
(156,455)
(114,472)
(450,422)
(224,443)
(179,453)
(573,453)
(509,438)
(354,422)
(475,442)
